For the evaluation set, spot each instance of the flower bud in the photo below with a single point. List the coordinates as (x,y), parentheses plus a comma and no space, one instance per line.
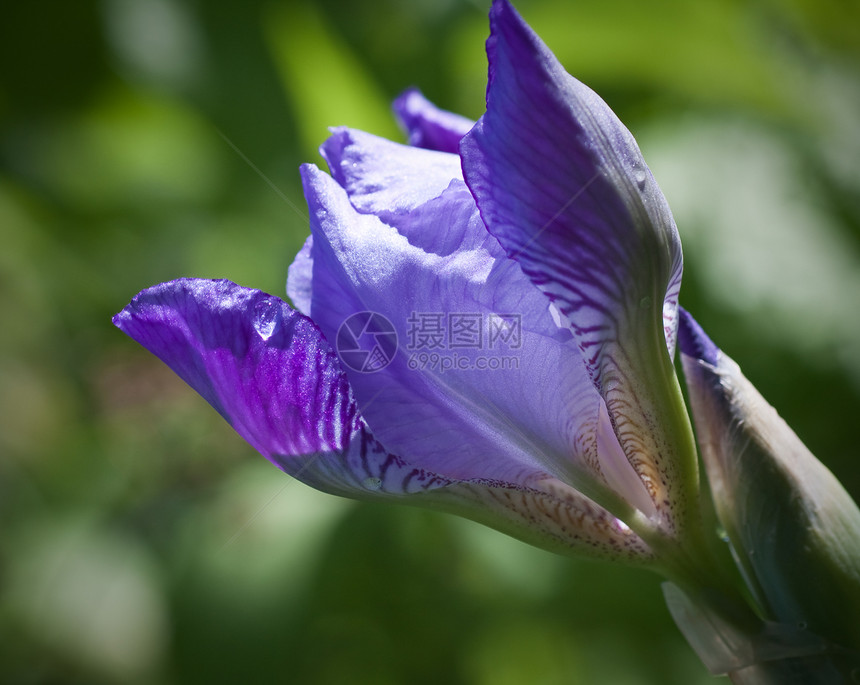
(794,530)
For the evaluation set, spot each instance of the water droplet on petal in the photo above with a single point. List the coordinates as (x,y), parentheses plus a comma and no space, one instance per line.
(641,178)
(266,318)
(372,483)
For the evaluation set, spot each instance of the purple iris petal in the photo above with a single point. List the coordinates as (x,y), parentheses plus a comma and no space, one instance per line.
(449,226)
(300,278)
(362,264)
(378,176)
(562,185)
(264,367)
(382,177)
(694,342)
(461,420)
(427,125)
(671,308)
(268,371)
(553,516)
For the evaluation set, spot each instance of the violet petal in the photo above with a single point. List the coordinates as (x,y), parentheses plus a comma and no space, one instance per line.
(385,177)
(560,182)
(461,420)
(270,373)
(428,126)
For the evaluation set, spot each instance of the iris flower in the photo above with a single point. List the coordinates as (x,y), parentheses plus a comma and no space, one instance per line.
(541,231)
(543,211)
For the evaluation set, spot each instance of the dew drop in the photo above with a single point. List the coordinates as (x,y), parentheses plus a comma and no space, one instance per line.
(372,483)
(265,318)
(641,178)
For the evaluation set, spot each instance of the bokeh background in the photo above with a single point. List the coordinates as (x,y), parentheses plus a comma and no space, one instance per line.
(141,541)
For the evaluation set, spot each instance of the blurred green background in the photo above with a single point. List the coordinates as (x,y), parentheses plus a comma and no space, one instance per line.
(141,541)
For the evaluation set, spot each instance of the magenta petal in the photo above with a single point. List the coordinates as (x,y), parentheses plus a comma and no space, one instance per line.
(427,125)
